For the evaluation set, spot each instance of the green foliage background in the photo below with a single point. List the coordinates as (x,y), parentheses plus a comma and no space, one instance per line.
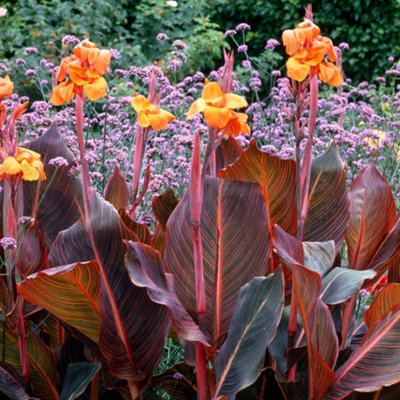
(371,27)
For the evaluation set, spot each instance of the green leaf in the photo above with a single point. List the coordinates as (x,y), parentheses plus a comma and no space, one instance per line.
(256,317)
(328,209)
(77,377)
(277,178)
(235,239)
(375,362)
(341,283)
(70,292)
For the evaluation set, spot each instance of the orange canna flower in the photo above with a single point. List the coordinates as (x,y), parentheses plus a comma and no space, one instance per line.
(308,50)
(85,70)
(217,106)
(26,163)
(6,87)
(237,124)
(150,114)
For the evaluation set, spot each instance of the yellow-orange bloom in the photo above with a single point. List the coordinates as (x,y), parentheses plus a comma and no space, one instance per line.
(308,50)
(217,106)
(84,69)
(237,124)
(6,87)
(25,163)
(150,114)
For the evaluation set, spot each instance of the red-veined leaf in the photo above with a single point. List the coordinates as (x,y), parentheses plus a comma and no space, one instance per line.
(228,151)
(307,286)
(328,203)
(60,194)
(235,239)
(133,328)
(117,189)
(12,383)
(257,314)
(140,230)
(372,214)
(277,178)
(388,297)
(32,254)
(70,292)
(375,362)
(145,270)
(341,283)
(163,206)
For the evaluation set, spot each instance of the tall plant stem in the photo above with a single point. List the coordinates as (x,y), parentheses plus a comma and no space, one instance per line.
(85,170)
(303,175)
(196,191)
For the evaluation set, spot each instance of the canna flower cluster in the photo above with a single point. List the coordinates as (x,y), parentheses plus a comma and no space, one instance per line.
(217,108)
(6,88)
(85,69)
(307,51)
(25,164)
(150,114)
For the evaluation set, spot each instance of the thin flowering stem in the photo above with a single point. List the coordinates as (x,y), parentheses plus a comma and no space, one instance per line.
(85,170)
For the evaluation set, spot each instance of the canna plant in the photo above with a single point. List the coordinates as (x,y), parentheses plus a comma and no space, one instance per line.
(256,269)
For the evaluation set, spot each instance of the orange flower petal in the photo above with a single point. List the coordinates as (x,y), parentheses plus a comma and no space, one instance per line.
(96,90)
(216,117)
(160,120)
(290,41)
(297,70)
(102,61)
(62,93)
(234,101)
(82,76)
(311,56)
(6,87)
(26,154)
(330,74)
(140,103)
(29,173)
(38,165)
(143,119)
(330,50)
(11,166)
(61,73)
(196,107)
(211,91)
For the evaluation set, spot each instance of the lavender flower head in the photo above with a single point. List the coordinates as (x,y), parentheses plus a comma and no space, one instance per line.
(243,27)
(179,44)
(31,50)
(242,48)
(115,54)
(58,162)
(162,36)
(8,243)
(70,39)
(271,44)
(230,32)
(246,64)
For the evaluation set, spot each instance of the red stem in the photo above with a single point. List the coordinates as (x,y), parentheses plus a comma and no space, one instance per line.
(85,169)
(201,372)
(23,354)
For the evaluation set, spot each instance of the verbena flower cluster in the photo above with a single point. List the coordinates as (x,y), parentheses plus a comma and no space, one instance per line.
(361,119)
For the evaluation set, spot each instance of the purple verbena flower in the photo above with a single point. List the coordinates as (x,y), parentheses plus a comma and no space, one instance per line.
(243,27)
(242,48)
(230,32)
(271,44)
(70,39)
(30,50)
(162,36)
(8,243)
(179,44)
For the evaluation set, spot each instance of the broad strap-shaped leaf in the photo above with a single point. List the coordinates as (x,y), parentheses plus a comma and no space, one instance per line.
(32,254)
(236,243)
(12,383)
(139,230)
(145,270)
(60,194)
(341,283)
(70,292)
(227,152)
(387,298)
(316,256)
(129,319)
(328,203)
(78,376)
(256,317)
(375,362)
(307,286)
(163,206)
(117,189)
(42,362)
(277,178)
(372,215)
(388,253)
(323,333)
